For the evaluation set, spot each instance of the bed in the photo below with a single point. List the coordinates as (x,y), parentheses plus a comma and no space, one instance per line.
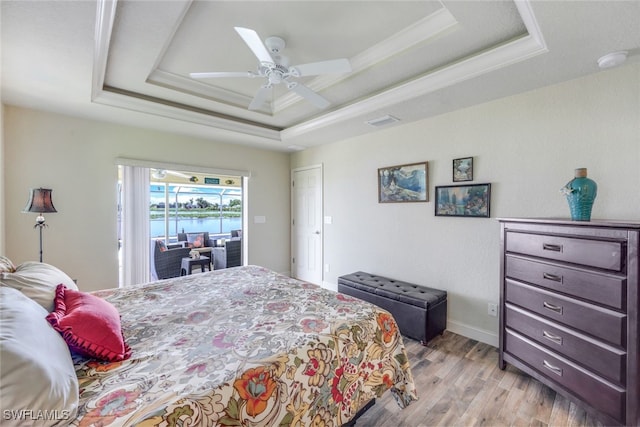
(242,346)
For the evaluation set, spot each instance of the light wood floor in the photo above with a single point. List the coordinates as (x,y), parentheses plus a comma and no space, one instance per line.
(459,384)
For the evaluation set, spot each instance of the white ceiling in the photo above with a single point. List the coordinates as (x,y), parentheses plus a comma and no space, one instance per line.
(129,61)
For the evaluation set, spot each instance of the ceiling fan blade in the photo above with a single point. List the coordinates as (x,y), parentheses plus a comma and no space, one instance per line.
(222,74)
(263,94)
(252,39)
(309,95)
(333,66)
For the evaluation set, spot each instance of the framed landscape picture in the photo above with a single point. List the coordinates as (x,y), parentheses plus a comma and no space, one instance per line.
(463,169)
(472,200)
(404,183)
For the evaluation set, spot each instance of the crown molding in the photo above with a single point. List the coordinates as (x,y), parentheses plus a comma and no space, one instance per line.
(105,16)
(140,103)
(101,94)
(193,87)
(499,57)
(427,28)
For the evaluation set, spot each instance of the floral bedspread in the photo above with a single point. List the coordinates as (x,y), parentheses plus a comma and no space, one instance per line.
(243,346)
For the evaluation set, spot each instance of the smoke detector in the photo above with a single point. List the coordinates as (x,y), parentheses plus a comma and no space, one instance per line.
(613,59)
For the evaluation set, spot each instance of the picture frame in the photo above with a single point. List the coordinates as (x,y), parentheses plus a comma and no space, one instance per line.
(471,200)
(463,169)
(404,183)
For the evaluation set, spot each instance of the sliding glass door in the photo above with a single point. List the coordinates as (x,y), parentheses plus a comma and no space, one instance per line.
(157,204)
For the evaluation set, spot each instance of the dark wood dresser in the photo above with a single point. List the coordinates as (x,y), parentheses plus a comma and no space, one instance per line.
(569,310)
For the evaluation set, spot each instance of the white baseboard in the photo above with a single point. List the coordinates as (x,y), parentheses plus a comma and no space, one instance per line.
(487,337)
(481,335)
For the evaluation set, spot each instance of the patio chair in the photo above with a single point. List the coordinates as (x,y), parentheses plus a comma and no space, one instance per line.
(233,248)
(229,256)
(167,260)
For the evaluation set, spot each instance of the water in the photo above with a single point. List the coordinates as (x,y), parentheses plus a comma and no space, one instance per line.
(191,225)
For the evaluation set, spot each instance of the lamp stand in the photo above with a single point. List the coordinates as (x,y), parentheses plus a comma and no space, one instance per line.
(40,224)
(40,227)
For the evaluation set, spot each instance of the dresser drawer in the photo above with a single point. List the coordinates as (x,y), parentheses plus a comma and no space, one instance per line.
(597,287)
(606,361)
(598,393)
(593,253)
(599,322)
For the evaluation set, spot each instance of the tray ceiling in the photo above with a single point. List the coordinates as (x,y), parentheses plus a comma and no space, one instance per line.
(409,59)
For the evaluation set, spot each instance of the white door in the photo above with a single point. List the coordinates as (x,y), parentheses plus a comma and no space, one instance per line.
(306,224)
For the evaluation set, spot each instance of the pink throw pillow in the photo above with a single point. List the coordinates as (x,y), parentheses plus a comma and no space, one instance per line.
(195,240)
(89,324)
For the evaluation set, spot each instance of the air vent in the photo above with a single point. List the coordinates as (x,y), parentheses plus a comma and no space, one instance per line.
(382,121)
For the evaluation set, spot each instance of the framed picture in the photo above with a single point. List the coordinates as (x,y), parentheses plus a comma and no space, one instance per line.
(404,183)
(472,200)
(463,169)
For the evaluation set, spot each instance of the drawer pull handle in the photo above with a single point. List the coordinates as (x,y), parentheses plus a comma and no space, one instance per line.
(554,369)
(556,308)
(551,247)
(551,337)
(552,277)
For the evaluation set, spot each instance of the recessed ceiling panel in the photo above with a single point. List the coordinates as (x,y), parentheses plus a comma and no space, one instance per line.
(313,31)
(155,45)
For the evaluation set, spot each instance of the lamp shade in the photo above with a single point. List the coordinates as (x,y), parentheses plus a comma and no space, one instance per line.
(40,201)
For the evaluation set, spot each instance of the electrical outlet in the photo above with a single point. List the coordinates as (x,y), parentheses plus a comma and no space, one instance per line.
(327,268)
(492,309)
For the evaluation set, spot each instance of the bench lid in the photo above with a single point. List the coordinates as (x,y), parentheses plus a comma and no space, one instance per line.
(409,293)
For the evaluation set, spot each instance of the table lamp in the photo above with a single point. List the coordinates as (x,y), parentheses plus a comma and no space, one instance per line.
(40,202)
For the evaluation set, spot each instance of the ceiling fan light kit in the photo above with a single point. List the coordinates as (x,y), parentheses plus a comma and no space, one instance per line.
(274,44)
(275,69)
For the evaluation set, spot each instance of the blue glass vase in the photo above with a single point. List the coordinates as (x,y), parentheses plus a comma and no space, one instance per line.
(581,193)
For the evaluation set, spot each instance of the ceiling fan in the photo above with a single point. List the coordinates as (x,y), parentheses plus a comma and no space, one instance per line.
(275,69)
(162,174)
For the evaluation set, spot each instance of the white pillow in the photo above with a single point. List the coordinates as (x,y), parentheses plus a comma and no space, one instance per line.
(38,281)
(6,265)
(37,375)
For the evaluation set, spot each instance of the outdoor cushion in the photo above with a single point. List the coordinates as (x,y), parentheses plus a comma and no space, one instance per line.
(195,240)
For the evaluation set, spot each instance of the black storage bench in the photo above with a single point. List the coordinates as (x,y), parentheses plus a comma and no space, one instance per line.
(420,312)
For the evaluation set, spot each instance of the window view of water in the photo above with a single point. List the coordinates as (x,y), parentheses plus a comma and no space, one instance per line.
(194,208)
(213,225)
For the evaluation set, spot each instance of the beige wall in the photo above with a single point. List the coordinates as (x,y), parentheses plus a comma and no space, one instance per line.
(526,146)
(75,157)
